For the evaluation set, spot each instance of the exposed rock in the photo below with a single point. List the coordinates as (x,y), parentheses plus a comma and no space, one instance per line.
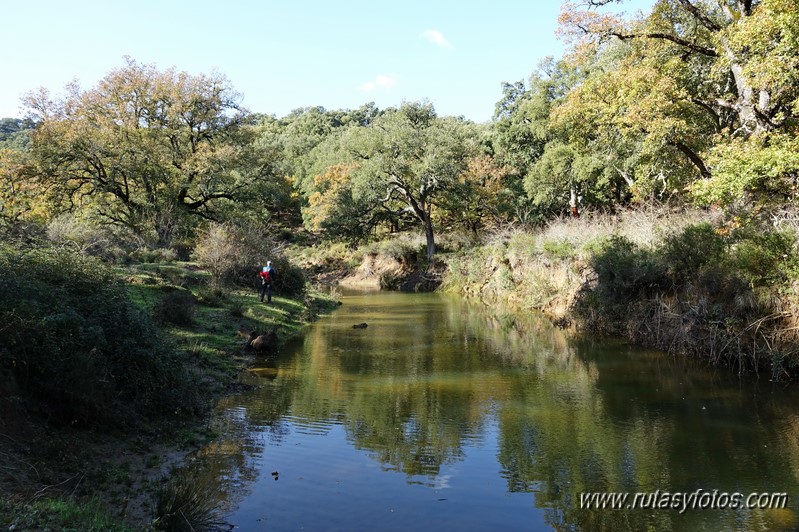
(264,342)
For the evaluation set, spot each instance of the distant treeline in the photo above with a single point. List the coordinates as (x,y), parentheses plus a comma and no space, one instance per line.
(693,102)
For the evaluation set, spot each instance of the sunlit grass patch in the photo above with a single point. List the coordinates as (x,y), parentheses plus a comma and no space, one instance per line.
(59,514)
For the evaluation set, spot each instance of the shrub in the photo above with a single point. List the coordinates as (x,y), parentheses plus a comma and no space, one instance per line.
(233,255)
(686,253)
(188,503)
(217,251)
(765,257)
(289,279)
(177,308)
(236,309)
(75,342)
(403,247)
(558,249)
(103,242)
(626,271)
(67,228)
(154,255)
(212,297)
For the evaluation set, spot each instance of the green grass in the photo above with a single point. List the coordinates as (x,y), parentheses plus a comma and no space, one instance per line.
(58,514)
(211,338)
(211,354)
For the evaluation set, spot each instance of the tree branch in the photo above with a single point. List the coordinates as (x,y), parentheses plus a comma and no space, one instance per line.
(699,15)
(707,107)
(693,157)
(667,37)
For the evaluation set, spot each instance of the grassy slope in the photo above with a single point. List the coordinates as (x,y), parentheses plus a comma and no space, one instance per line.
(109,479)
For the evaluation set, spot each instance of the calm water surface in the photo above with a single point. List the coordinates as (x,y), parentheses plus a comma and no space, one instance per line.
(447,416)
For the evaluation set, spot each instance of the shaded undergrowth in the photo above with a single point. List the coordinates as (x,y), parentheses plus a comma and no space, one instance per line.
(100,361)
(724,296)
(76,346)
(725,290)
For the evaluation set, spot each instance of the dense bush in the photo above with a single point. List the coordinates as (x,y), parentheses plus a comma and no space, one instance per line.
(626,271)
(685,254)
(112,245)
(72,340)
(219,250)
(233,254)
(289,279)
(703,291)
(176,307)
(766,258)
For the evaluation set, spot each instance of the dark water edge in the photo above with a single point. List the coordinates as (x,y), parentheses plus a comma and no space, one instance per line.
(448,415)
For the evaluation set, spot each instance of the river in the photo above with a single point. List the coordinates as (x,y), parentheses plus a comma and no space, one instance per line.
(445,415)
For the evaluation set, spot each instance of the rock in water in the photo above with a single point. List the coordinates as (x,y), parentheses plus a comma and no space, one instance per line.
(265,342)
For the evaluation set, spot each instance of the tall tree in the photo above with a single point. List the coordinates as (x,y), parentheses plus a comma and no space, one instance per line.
(410,156)
(694,29)
(697,73)
(145,148)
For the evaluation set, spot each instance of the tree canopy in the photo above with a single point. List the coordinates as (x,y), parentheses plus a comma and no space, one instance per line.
(145,148)
(694,101)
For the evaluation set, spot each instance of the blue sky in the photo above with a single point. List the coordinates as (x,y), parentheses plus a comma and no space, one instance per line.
(284,55)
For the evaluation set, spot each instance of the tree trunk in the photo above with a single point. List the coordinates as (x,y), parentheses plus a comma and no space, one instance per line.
(431,242)
(573,202)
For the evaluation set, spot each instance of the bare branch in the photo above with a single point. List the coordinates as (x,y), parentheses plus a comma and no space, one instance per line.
(693,157)
(710,52)
(699,15)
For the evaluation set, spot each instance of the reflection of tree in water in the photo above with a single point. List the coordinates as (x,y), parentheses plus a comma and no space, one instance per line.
(573,417)
(599,421)
(408,396)
(245,423)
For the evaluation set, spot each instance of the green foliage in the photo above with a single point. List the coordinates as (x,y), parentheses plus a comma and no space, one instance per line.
(61,514)
(236,308)
(289,279)
(176,308)
(212,296)
(626,272)
(154,255)
(153,151)
(407,159)
(766,258)
(687,252)
(559,249)
(689,97)
(11,126)
(402,248)
(765,167)
(73,340)
(234,253)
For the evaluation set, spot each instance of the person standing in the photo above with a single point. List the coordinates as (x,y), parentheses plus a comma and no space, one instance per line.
(267,275)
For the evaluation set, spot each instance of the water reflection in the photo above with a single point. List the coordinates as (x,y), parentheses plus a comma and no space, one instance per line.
(447,415)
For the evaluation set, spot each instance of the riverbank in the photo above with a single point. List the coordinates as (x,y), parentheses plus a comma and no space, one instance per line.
(700,283)
(723,290)
(102,467)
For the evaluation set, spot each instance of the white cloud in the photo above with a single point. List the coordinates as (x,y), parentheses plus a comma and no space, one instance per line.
(381,81)
(437,38)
